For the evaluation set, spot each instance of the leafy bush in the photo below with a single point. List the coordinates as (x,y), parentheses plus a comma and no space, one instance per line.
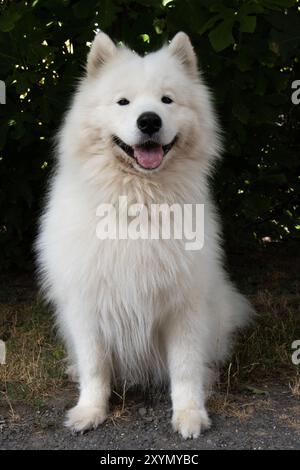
(249,52)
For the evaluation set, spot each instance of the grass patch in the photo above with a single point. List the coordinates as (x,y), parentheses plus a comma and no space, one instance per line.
(34,366)
(263,352)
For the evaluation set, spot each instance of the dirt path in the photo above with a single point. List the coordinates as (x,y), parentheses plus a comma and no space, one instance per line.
(245,421)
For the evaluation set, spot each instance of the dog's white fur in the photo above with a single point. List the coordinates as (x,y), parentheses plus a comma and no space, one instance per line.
(137,310)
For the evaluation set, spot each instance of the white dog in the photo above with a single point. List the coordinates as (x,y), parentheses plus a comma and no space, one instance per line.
(135,309)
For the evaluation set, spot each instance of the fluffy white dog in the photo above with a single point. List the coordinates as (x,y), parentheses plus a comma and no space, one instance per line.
(140,310)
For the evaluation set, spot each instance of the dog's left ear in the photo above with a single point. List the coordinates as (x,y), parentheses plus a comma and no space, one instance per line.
(102,50)
(182,49)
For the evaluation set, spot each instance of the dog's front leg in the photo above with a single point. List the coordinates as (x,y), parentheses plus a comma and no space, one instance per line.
(186,362)
(93,372)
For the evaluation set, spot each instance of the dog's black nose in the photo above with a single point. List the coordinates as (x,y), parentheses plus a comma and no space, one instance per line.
(149,123)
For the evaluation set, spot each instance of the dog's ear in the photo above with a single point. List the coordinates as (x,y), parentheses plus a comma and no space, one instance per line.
(182,49)
(102,49)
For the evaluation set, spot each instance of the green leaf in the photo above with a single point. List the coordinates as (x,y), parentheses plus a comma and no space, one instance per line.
(8,21)
(248,24)
(279,3)
(209,24)
(250,8)
(221,37)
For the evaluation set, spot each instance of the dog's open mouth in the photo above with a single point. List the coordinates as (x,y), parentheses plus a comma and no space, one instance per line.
(148,155)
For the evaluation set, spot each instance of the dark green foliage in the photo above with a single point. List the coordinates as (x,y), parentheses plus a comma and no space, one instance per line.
(249,52)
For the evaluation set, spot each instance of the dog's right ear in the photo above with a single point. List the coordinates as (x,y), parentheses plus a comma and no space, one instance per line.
(181,48)
(102,49)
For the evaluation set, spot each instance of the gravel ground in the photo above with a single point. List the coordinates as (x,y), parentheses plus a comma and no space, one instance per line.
(270,420)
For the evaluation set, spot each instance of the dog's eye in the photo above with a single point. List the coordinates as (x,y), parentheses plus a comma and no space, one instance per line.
(123,102)
(167,100)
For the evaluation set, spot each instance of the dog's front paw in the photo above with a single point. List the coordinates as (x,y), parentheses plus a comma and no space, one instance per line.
(84,417)
(190,422)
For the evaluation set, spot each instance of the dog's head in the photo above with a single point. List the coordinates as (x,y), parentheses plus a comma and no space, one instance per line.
(148,108)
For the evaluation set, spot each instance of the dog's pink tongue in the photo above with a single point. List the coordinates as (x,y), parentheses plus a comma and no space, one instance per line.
(149,158)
